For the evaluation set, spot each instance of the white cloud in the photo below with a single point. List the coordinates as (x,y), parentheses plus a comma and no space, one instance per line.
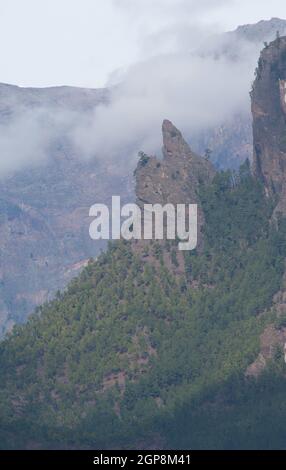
(80,42)
(194,92)
(175,75)
(28,137)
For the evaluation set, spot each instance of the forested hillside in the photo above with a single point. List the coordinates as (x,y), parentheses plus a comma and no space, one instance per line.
(134,354)
(55,162)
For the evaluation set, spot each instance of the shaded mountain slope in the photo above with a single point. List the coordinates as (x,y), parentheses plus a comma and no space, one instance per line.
(150,347)
(45,242)
(44,207)
(269,119)
(140,354)
(134,355)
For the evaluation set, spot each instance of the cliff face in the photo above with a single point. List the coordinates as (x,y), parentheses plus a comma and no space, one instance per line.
(44,230)
(269,120)
(44,208)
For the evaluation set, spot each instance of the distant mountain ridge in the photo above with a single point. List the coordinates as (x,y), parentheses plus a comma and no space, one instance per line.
(262,31)
(66,96)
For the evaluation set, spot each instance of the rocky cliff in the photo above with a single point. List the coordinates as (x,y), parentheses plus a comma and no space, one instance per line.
(44,208)
(269,120)
(175,178)
(145,350)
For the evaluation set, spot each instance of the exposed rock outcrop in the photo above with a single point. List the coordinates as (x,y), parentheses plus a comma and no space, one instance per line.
(176,178)
(45,241)
(269,120)
(269,165)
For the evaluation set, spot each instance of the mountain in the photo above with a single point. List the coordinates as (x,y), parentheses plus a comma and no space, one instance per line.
(44,207)
(269,112)
(264,30)
(47,185)
(152,348)
(231,140)
(13,98)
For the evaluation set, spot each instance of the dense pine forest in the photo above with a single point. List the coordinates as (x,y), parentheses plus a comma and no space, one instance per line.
(138,354)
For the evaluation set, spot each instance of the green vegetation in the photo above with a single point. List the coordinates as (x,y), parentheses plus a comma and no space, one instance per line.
(132,353)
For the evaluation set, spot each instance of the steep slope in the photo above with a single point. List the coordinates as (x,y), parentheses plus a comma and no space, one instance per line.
(269,124)
(136,354)
(231,141)
(44,206)
(264,30)
(44,230)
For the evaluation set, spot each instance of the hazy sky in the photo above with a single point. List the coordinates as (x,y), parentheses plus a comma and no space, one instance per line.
(82,42)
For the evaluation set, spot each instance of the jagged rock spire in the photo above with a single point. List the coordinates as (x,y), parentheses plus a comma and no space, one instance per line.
(176,178)
(174,144)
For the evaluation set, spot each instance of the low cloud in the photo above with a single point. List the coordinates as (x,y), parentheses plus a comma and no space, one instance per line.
(169,11)
(194,76)
(29,135)
(195,90)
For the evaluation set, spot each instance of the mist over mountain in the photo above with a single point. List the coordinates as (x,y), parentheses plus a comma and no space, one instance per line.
(192,81)
(200,79)
(36,122)
(150,347)
(64,149)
